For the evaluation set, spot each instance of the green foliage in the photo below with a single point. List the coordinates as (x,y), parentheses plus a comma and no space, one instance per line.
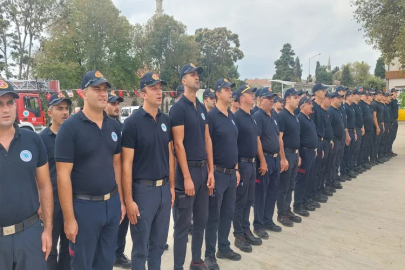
(284,67)
(347,78)
(383,21)
(318,65)
(401,100)
(323,76)
(360,72)
(219,51)
(297,71)
(373,82)
(379,70)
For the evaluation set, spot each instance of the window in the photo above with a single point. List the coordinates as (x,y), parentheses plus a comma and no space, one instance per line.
(125,112)
(31,104)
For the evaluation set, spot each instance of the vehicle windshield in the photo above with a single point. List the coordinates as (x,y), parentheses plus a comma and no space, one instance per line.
(31,104)
(125,112)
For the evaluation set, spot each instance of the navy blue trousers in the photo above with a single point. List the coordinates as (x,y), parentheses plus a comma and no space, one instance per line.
(327,149)
(376,143)
(245,195)
(122,234)
(312,185)
(58,260)
(393,134)
(23,250)
(149,234)
(345,165)
(336,156)
(266,191)
(98,231)
(365,148)
(287,184)
(190,207)
(220,214)
(301,181)
(356,149)
(327,165)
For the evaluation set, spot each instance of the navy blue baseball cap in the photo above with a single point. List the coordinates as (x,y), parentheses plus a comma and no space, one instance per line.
(386,94)
(378,92)
(301,92)
(304,100)
(150,79)
(244,89)
(57,98)
(114,98)
(266,92)
(7,88)
(339,88)
(335,94)
(180,90)
(94,78)
(188,68)
(257,93)
(356,92)
(222,83)
(234,94)
(328,95)
(208,93)
(278,99)
(394,90)
(318,87)
(366,93)
(348,93)
(290,92)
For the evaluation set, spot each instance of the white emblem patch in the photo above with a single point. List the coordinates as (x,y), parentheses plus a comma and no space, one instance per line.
(203,116)
(114,136)
(26,156)
(255,121)
(26,113)
(275,122)
(297,120)
(233,122)
(164,128)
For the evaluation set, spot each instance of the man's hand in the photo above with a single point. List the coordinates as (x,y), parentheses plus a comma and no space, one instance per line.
(172,193)
(333,145)
(211,183)
(363,131)
(263,168)
(132,212)
(378,131)
(123,212)
(348,140)
(323,154)
(237,178)
(71,230)
(355,137)
(299,161)
(40,214)
(283,165)
(46,240)
(189,186)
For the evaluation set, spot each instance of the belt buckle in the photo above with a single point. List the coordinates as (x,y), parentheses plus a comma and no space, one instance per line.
(296,151)
(275,155)
(159,182)
(9,230)
(253,159)
(107,196)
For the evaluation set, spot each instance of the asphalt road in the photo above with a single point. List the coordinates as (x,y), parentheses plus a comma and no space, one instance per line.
(361,227)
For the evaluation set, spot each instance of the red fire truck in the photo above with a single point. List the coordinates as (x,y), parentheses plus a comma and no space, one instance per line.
(30,107)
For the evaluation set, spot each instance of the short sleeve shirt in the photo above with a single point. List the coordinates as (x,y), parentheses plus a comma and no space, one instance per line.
(387,114)
(367,115)
(343,112)
(351,116)
(359,122)
(336,120)
(18,187)
(150,139)
(224,136)
(378,108)
(328,126)
(317,117)
(48,137)
(268,132)
(290,126)
(308,134)
(193,118)
(394,109)
(247,134)
(91,150)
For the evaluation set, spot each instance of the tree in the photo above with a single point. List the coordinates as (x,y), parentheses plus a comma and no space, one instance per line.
(297,69)
(284,67)
(347,79)
(318,65)
(379,70)
(383,22)
(219,51)
(323,76)
(336,69)
(374,82)
(360,73)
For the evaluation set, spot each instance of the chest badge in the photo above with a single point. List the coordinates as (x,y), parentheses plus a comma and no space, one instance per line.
(297,120)
(233,122)
(164,128)
(255,121)
(114,136)
(275,122)
(203,116)
(26,156)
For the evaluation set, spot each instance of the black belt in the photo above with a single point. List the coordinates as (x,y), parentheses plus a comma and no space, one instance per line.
(320,139)
(249,160)
(270,154)
(288,150)
(337,138)
(105,197)
(351,129)
(153,183)
(306,148)
(19,227)
(224,170)
(198,163)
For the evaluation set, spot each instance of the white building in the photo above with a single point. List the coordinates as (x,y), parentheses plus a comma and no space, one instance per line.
(395,76)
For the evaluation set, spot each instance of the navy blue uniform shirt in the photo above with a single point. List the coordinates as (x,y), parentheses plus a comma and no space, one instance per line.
(328,126)
(343,112)
(351,116)
(359,122)
(336,120)
(268,132)
(308,134)
(254,110)
(247,134)
(387,113)
(150,140)
(183,113)
(48,137)
(91,150)
(290,126)
(378,108)
(224,136)
(394,109)
(367,115)
(317,117)
(18,187)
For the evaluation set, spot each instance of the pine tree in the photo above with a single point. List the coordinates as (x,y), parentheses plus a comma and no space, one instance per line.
(379,70)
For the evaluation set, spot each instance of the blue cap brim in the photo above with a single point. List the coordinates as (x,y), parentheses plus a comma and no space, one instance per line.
(269,94)
(59,100)
(156,82)
(115,98)
(228,84)
(210,95)
(100,81)
(14,94)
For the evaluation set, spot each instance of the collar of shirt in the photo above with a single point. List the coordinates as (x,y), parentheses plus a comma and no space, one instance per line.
(263,112)
(145,113)
(83,117)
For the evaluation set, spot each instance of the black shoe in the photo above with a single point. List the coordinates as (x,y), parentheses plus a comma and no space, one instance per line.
(211,262)
(319,198)
(251,239)
(123,262)
(326,192)
(230,255)
(198,266)
(330,188)
(190,231)
(284,220)
(242,244)
(300,210)
(167,247)
(313,203)
(292,217)
(344,176)
(261,233)
(272,227)
(337,185)
(351,175)
(308,206)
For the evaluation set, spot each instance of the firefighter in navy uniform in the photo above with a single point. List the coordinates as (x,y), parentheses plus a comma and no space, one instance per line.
(346,164)
(378,117)
(387,125)
(58,111)
(25,184)
(359,126)
(346,138)
(366,140)
(277,106)
(394,119)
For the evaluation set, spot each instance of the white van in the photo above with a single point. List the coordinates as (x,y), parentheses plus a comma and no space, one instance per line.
(127,111)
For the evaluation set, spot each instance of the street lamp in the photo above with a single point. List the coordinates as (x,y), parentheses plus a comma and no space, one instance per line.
(309,65)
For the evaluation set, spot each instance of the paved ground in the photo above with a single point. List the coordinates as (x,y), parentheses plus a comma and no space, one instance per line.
(361,227)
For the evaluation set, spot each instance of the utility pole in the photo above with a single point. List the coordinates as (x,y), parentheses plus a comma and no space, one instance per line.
(309,65)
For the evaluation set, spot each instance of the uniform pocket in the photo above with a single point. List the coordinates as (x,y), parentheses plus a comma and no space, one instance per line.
(72,250)
(181,200)
(140,225)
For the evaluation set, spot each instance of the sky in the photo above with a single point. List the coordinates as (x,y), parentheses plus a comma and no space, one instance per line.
(264,26)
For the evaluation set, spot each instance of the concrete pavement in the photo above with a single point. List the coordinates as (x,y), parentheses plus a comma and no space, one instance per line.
(361,227)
